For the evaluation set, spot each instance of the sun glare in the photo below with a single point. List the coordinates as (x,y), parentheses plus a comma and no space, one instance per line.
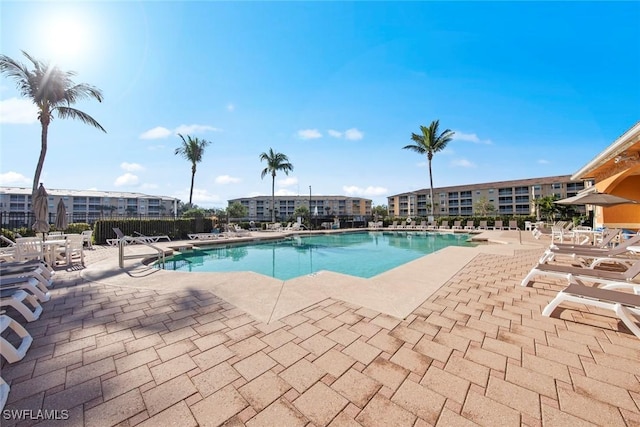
(67,39)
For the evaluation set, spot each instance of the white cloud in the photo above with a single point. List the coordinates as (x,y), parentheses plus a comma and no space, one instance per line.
(160,132)
(285,192)
(309,134)
(131,167)
(370,191)
(463,163)
(18,111)
(13,178)
(353,134)
(201,197)
(287,182)
(156,133)
(226,179)
(128,179)
(231,107)
(187,129)
(470,137)
(543,162)
(334,133)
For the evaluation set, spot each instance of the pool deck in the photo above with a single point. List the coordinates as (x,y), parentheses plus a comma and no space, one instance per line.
(448,339)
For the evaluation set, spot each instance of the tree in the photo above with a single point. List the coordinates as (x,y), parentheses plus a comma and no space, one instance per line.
(547,206)
(192,149)
(237,210)
(380,211)
(483,207)
(52,90)
(275,162)
(430,142)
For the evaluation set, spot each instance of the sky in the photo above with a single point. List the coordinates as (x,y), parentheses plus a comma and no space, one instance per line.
(530,90)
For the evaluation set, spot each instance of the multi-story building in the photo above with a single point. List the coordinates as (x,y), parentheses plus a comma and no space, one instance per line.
(507,197)
(84,205)
(259,207)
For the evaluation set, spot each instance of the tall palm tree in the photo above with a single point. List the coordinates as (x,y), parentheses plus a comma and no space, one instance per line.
(430,142)
(52,90)
(275,162)
(192,149)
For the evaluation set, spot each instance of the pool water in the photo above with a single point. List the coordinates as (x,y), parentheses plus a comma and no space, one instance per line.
(364,254)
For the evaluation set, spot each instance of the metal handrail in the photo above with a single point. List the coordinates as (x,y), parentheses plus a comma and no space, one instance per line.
(128,239)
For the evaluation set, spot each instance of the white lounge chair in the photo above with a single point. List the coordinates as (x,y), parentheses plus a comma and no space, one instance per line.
(483,225)
(30,284)
(444,225)
(513,225)
(497,225)
(11,353)
(589,252)
(457,225)
(625,305)
(121,238)
(16,298)
(469,225)
(152,239)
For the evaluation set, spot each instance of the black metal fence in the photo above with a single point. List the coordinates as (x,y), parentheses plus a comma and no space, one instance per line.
(15,220)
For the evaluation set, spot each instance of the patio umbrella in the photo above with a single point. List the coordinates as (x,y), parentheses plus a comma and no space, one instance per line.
(61,216)
(596,199)
(40,206)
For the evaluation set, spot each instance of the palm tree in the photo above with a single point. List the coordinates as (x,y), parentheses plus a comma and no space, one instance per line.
(192,149)
(52,90)
(275,162)
(430,142)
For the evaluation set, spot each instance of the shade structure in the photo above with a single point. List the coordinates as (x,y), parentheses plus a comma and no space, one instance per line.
(40,206)
(596,199)
(61,216)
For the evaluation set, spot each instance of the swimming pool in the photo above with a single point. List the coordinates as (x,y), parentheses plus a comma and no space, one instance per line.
(365,254)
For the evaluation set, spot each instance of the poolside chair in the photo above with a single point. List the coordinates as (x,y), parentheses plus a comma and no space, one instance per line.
(11,353)
(497,225)
(610,279)
(444,225)
(39,273)
(513,225)
(483,225)
(29,248)
(590,252)
(86,236)
(457,225)
(625,305)
(394,225)
(470,225)
(74,248)
(31,284)
(152,239)
(120,237)
(423,225)
(16,298)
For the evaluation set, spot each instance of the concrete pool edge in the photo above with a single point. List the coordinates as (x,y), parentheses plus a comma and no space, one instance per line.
(396,292)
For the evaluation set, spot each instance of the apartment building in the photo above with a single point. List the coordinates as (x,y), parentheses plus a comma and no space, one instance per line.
(508,197)
(259,207)
(84,205)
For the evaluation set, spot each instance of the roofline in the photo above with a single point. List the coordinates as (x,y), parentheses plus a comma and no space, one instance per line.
(623,142)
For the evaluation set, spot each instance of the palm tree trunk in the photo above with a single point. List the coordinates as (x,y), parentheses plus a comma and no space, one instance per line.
(431,186)
(193,177)
(43,152)
(273,198)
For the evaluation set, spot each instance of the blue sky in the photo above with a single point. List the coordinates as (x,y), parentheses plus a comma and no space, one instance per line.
(531,89)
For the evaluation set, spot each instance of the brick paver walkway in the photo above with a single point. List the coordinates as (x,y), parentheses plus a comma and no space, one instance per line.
(477,351)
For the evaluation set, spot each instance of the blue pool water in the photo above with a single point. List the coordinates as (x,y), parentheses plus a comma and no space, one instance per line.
(358,254)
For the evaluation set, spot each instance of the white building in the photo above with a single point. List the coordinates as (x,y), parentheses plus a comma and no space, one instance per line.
(83,205)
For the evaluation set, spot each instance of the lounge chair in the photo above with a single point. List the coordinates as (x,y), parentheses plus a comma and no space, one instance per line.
(470,225)
(11,353)
(513,225)
(30,284)
(393,225)
(610,279)
(444,225)
(497,225)
(16,298)
(423,225)
(625,305)
(589,252)
(121,238)
(36,271)
(457,225)
(483,225)
(152,239)
(204,236)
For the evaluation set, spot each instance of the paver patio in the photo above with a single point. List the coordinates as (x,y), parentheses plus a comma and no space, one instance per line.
(475,352)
